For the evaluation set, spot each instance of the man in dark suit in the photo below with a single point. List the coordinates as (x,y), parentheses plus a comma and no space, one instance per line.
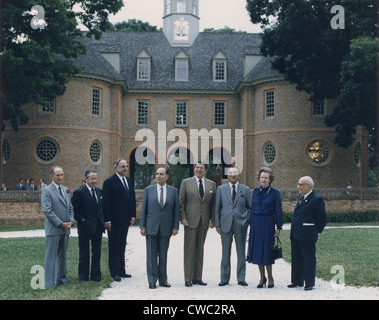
(309,219)
(119,209)
(196,199)
(159,221)
(88,213)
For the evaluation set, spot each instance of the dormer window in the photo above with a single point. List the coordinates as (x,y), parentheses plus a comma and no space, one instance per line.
(143,66)
(219,67)
(181,66)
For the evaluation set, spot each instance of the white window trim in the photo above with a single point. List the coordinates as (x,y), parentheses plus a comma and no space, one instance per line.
(265,103)
(176,69)
(148,113)
(214,113)
(100,101)
(215,61)
(176,105)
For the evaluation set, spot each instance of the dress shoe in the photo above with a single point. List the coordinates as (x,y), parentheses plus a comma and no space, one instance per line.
(199,282)
(152,286)
(292,285)
(242,283)
(165,284)
(97,280)
(223,283)
(262,283)
(270,284)
(308,288)
(126,275)
(188,284)
(117,278)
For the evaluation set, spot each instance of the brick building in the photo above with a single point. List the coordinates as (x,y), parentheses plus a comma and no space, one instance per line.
(189,80)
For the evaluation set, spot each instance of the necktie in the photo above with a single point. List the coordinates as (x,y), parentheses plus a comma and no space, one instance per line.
(233,193)
(301,199)
(125,185)
(60,191)
(93,194)
(161,198)
(201,188)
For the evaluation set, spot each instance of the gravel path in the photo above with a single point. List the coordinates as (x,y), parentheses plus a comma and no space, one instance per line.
(136,288)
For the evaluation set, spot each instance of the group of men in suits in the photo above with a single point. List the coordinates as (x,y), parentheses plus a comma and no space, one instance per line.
(113,208)
(198,207)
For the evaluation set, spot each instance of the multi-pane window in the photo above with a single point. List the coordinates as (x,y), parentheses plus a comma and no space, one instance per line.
(142,112)
(181,70)
(96,101)
(181,113)
(48,106)
(269,103)
(219,113)
(143,69)
(318,108)
(219,70)
(194,7)
(181,6)
(46,150)
(95,152)
(269,154)
(318,152)
(168,6)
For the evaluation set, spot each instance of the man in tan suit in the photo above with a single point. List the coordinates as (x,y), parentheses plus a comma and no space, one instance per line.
(196,199)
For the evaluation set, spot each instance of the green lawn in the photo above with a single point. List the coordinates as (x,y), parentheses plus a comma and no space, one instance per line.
(18,256)
(356,250)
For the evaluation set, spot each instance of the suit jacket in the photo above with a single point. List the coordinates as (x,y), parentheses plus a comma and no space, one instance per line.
(155,218)
(119,205)
(192,207)
(87,211)
(309,219)
(226,210)
(57,209)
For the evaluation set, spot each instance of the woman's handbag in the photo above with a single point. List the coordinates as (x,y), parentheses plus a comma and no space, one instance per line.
(276,251)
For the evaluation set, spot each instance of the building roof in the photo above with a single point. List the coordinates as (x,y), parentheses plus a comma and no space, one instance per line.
(162,77)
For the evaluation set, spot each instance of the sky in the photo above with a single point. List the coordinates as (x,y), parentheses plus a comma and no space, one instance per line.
(213,14)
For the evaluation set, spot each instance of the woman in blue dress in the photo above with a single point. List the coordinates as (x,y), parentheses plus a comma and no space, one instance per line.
(266,212)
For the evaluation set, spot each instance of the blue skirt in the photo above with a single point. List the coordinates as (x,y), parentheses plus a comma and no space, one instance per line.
(261,239)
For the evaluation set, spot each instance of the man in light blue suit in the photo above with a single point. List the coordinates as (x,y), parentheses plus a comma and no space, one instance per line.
(232,210)
(59,218)
(159,221)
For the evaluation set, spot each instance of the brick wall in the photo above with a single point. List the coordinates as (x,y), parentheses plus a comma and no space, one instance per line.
(24,208)
(74,128)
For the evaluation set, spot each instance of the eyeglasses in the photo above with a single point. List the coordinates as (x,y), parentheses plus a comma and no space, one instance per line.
(123,166)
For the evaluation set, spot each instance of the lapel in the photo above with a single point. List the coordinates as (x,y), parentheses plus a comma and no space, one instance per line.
(57,193)
(238,194)
(195,188)
(155,195)
(89,193)
(306,200)
(120,184)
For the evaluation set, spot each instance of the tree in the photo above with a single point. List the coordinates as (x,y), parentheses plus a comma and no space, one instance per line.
(226,29)
(317,58)
(134,25)
(40,45)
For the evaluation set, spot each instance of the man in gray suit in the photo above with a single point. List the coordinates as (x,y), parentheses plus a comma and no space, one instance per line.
(59,218)
(159,220)
(232,212)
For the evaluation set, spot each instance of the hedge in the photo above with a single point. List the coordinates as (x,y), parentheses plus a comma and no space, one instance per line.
(346,217)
